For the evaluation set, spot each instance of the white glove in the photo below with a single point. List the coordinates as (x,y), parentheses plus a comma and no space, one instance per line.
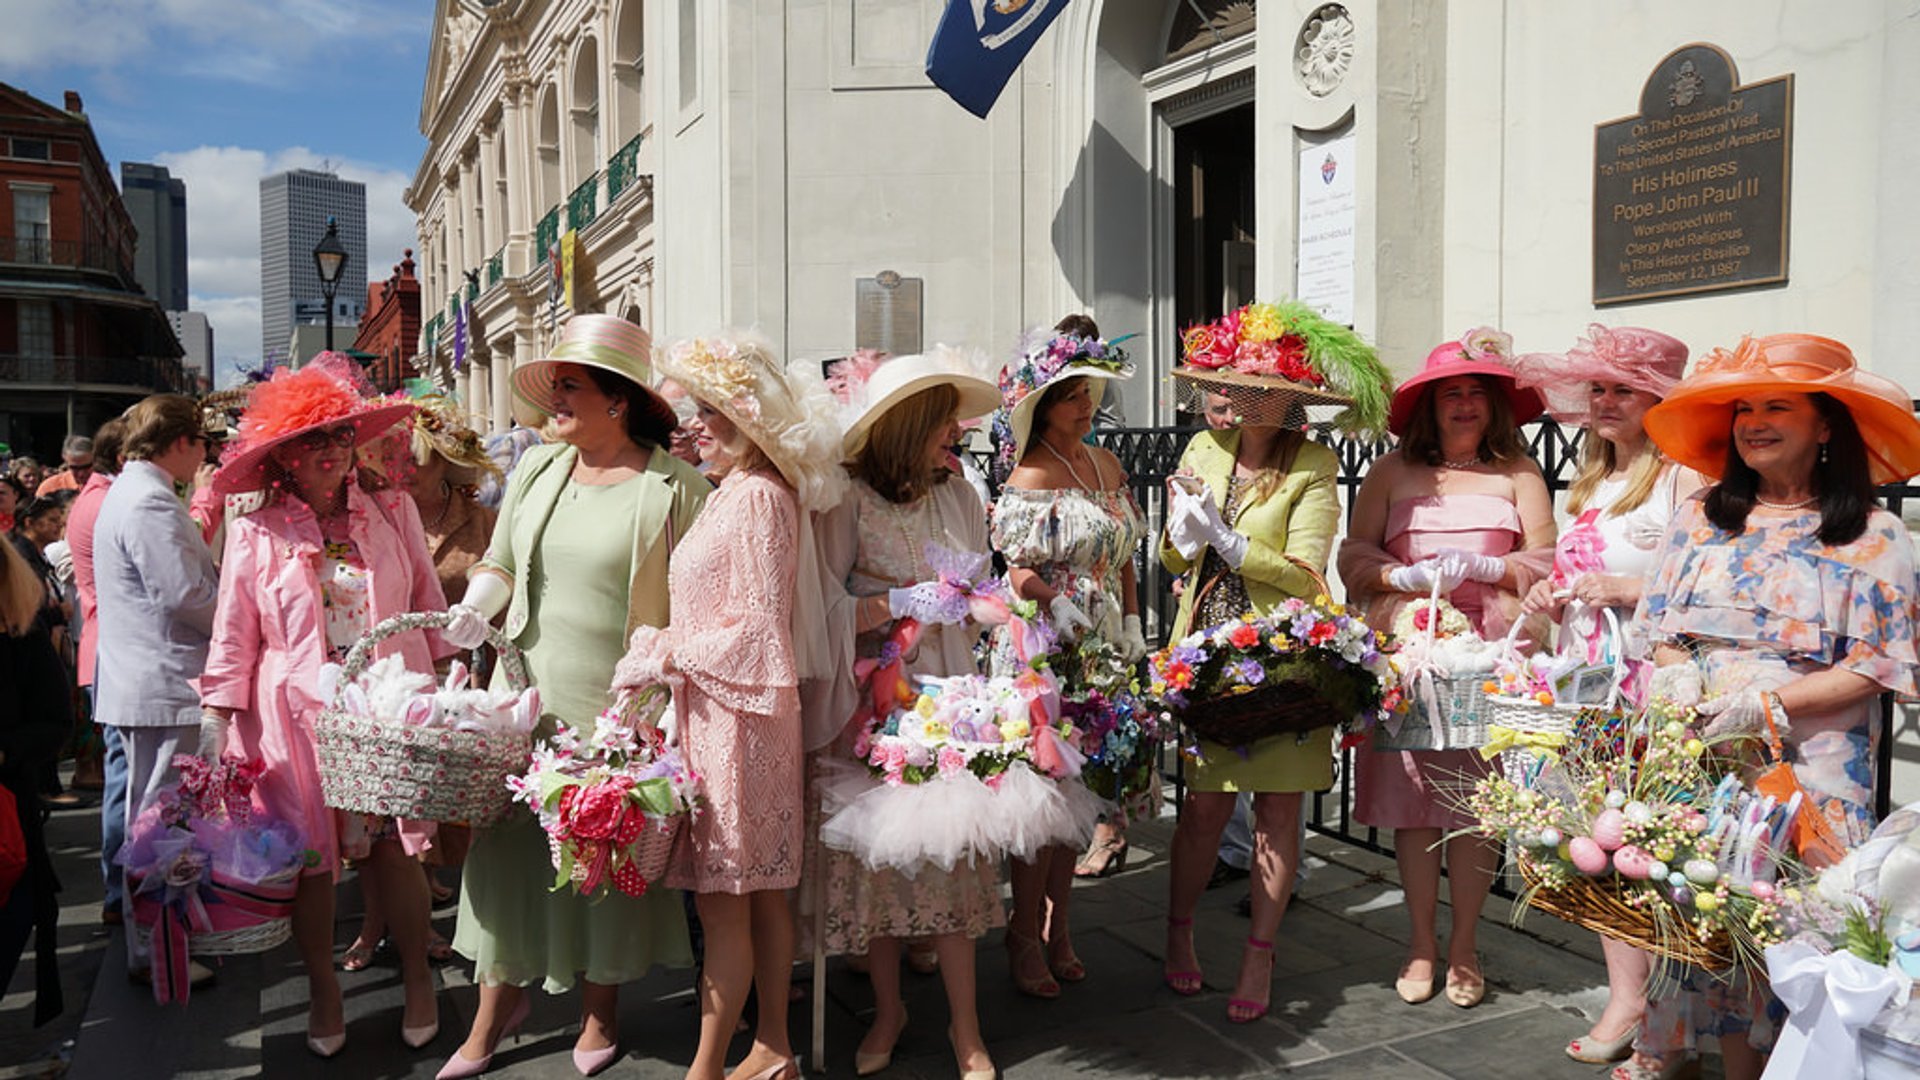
(1472,567)
(1133,643)
(60,557)
(1222,537)
(1677,684)
(1743,714)
(466,628)
(1186,526)
(488,593)
(1420,577)
(213,737)
(1068,620)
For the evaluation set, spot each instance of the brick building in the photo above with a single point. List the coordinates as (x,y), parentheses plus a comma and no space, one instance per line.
(79,339)
(390,329)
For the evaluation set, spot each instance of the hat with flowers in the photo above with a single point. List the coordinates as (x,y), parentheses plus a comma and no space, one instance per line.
(324,393)
(1270,359)
(1643,359)
(1047,357)
(1480,351)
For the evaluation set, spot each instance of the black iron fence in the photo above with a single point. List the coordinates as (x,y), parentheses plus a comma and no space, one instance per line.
(1150,455)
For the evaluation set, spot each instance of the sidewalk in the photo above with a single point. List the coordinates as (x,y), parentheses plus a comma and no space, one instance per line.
(1335,1013)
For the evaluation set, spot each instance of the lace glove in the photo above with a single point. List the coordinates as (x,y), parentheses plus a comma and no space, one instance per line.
(1068,620)
(1222,537)
(1743,715)
(1186,526)
(1472,567)
(1133,643)
(1677,684)
(213,737)
(466,628)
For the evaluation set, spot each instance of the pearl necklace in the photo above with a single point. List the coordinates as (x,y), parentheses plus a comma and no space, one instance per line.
(1075,473)
(1808,501)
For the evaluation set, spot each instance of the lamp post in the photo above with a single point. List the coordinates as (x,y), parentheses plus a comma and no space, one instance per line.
(329,259)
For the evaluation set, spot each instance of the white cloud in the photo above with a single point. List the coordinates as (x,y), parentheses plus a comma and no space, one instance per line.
(223,231)
(259,41)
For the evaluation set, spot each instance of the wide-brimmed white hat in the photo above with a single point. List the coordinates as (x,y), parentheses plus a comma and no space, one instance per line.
(867,391)
(785,411)
(1048,357)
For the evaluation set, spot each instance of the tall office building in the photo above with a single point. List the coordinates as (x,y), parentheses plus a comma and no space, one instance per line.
(158,204)
(196,338)
(294,208)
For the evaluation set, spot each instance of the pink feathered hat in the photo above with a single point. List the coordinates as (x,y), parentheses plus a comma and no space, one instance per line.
(1643,359)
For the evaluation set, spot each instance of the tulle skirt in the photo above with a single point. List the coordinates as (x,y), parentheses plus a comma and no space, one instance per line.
(951,819)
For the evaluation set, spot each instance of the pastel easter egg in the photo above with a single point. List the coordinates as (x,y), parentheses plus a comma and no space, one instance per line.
(1761,890)
(1706,901)
(1637,812)
(1633,862)
(1695,823)
(1695,748)
(1664,853)
(1550,837)
(1675,729)
(1564,849)
(1616,799)
(1682,895)
(1676,879)
(1657,871)
(1610,829)
(1701,871)
(1588,857)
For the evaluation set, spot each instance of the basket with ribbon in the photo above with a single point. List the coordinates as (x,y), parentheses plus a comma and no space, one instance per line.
(393,745)
(1534,702)
(207,873)
(1441,665)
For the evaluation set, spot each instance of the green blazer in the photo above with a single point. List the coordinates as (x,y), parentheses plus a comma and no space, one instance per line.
(1299,519)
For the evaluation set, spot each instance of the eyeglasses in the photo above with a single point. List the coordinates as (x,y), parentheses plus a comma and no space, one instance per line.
(341,437)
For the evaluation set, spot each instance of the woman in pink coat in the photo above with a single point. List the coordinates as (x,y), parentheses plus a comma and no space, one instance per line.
(304,578)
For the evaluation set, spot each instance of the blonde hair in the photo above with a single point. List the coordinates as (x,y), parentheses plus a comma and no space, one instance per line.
(20,592)
(1599,461)
(894,461)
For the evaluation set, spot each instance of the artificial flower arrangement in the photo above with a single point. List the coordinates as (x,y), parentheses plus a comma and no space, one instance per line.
(1636,829)
(1290,340)
(611,804)
(1439,663)
(1308,664)
(209,873)
(1119,735)
(1043,355)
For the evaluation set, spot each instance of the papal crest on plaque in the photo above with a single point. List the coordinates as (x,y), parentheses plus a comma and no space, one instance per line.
(1685,86)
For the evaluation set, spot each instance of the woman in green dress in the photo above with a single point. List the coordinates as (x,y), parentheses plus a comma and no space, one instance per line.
(601,506)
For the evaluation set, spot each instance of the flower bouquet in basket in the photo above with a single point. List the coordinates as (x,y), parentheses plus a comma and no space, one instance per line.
(1439,664)
(1638,832)
(611,804)
(1308,665)
(208,873)
(1117,732)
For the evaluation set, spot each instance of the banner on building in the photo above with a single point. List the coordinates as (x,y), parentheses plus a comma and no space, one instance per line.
(979,44)
(569,256)
(462,314)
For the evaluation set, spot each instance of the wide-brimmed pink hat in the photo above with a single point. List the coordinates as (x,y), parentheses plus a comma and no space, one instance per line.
(607,342)
(322,394)
(1643,359)
(1481,351)
(1695,423)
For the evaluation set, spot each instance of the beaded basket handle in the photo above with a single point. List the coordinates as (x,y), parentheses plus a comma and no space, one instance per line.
(357,660)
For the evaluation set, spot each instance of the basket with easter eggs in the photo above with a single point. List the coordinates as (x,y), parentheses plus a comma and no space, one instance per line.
(1635,830)
(1533,701)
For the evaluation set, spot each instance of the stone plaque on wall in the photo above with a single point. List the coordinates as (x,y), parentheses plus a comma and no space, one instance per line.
(1690,195)
(887,313)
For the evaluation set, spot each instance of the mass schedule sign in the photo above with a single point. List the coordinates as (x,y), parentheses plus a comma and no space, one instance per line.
(1690,195)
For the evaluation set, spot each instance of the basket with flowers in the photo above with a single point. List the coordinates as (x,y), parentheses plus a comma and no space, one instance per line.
(1639,832)
(1306,665)
(613,803)
(1439,664)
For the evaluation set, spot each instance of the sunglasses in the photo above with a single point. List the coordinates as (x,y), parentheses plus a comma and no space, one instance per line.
(341,437)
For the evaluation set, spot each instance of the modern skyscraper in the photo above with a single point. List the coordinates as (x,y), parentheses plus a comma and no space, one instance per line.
(158,204)
(294,208)
(196,337)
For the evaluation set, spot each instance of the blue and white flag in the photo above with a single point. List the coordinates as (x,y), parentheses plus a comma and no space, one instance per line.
(980,43)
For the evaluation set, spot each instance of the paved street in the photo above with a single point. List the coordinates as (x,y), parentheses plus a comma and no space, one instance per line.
(1335,1013)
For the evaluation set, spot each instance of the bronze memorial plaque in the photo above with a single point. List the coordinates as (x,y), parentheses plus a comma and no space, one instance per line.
(1691,195)
(887,313)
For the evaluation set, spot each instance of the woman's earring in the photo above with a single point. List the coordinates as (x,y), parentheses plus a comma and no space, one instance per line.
(1823,453)
(613,412)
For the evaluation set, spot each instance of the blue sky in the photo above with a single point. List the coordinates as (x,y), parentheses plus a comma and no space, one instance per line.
(224,92)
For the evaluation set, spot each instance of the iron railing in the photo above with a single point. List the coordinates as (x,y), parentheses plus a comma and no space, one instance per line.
(146,374)
(581,207)
(71,254)
(545,235)
(622,167)
(496,267)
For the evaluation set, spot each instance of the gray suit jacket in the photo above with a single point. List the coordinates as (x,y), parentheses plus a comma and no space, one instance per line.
(156,587)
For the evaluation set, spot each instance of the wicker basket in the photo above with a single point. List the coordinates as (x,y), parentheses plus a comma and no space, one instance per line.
(1278,706)
(1463,717)
(371,765)
(1526,715)
(266,934)
(652,853)
(1596,904)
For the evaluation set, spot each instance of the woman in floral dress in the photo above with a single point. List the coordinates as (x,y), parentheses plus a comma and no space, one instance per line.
(1068,527)
(907,494)
(1782,608)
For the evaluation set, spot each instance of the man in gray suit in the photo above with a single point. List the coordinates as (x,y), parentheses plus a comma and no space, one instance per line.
(156,589)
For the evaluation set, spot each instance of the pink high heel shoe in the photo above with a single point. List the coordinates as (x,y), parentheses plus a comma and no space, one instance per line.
(459,1068)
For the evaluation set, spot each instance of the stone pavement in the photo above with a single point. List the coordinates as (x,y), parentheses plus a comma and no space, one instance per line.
(1335,1013)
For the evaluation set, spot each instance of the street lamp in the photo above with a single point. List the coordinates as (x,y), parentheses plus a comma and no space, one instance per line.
(330,258)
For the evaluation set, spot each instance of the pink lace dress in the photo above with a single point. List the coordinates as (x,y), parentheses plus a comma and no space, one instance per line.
(875,545)
(735,687)
(1400,789)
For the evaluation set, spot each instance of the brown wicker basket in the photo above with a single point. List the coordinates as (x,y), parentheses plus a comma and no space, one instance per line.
(1278,707)
(1596,904)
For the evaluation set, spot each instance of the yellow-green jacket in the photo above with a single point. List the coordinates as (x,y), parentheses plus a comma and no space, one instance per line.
(1299,519)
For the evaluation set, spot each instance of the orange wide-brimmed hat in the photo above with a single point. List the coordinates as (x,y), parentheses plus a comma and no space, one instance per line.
(327,392)
(1482,351)
(1695,423)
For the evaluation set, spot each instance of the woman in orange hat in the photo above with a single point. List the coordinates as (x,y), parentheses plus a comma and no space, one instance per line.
(1782,606)
(1459,505)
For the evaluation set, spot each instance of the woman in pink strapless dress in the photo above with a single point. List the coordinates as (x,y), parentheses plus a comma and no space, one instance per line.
(1460,503)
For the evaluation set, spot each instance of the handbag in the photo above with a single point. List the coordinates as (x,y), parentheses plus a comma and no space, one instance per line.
(1813,836)
(13,845)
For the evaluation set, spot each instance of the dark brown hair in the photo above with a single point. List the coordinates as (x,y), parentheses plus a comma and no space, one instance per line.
(1500,443)
(1079,326)
(109,442)
(155,423)
(1843,483)
(894,461)
(643,423)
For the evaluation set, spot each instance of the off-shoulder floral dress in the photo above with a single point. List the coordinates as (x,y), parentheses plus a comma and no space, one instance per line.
(1757,611)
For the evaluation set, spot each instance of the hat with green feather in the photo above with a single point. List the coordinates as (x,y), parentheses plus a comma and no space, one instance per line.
(1270,360)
